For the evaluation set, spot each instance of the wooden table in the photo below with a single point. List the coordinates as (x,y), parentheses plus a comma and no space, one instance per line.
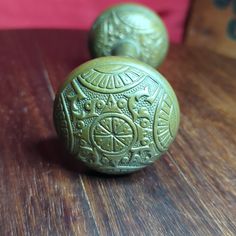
(43,191)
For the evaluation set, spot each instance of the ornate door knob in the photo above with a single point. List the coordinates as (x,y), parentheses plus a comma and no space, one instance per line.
(116,113)
(130,30)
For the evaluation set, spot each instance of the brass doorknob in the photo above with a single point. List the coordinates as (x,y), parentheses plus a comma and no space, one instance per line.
(130,30)
(115,113)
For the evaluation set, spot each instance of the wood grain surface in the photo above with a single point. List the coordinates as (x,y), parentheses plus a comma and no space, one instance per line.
(44,191)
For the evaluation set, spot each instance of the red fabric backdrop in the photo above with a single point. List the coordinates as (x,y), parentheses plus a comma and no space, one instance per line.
(80,14)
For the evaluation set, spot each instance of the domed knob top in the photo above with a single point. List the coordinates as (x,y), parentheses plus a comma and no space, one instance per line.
(116,114)
(130,30)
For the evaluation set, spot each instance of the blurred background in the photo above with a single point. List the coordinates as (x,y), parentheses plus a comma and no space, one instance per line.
(208,23)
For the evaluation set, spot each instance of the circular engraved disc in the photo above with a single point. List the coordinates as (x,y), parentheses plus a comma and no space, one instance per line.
(113,134)
(132,23)
(116,114)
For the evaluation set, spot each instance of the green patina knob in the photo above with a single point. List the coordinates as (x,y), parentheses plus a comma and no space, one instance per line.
(130,30)
(116,114)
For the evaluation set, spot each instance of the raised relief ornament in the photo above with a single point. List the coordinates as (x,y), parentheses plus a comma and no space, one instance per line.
(116,114)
